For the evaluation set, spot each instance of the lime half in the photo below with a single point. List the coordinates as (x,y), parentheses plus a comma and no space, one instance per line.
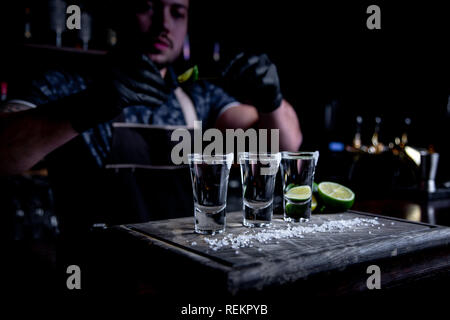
(300,193)
(290,186)
(336,195)
(191,72)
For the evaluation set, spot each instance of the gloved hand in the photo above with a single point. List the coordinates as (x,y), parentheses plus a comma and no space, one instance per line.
(127,80)
(137,81)
(253,79)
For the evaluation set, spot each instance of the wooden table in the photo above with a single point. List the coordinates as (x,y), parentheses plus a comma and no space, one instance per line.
(172,259)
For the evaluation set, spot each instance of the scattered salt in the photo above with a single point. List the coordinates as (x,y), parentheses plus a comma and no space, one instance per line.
(248,239)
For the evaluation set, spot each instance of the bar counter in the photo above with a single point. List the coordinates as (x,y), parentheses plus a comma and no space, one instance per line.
(330,255)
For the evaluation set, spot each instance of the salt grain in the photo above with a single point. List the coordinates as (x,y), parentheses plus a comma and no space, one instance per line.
(264,236)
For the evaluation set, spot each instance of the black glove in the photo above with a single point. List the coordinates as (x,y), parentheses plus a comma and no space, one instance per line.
(253,79)
(137,81)
(128,79)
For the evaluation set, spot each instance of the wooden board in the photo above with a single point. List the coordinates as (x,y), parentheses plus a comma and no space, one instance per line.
(288,260)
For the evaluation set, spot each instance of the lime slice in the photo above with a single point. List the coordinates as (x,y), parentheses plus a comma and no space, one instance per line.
(300,193)
(290,186)
(191,72)
(336,195)
(313,203)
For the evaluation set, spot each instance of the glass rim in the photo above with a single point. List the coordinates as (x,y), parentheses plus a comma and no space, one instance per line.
(226,157)
(305,155)
(267,155)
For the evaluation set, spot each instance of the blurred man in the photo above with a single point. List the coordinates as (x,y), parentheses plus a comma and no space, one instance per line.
(102,165)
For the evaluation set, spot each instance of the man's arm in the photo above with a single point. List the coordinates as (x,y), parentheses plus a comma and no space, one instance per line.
(26,137)
(283,118)
(254,79)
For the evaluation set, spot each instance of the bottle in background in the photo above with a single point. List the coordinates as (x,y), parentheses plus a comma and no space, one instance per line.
(377,146)
(3,91)
(57,14)
(357,138)
(216,52)
(86,29)
(111,38)
(404,139)
(374,139)
(27,28)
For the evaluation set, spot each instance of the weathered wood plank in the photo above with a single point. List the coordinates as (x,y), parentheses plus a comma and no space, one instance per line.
(288,260)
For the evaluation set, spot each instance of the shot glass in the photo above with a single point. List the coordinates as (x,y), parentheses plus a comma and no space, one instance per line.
(209,175)
(258,173)
(297,172)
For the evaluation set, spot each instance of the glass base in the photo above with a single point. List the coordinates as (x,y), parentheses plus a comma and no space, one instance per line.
(289,219)
(210,220)
(251,224)
(257,217)
(297,212)
(209,232)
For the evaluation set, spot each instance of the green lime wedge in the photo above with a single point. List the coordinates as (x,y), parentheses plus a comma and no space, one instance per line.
(290,186)
(313,203)
(191,72)
(336,195)
(296,211)
(300,193)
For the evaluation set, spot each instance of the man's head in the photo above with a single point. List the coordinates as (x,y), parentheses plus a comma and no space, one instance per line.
(159,28)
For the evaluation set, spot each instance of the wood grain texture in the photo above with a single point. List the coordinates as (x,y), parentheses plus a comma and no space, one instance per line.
(289,260)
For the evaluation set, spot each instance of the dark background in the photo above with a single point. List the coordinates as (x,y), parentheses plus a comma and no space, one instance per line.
(327,59)
(332,68)
(323,51)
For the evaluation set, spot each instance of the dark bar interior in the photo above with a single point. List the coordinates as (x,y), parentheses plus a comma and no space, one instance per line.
(92,94)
